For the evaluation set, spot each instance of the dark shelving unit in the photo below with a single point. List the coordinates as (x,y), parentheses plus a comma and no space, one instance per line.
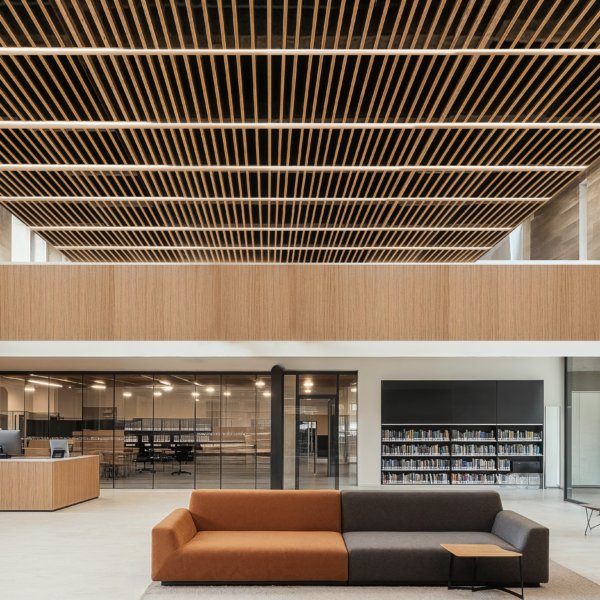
(475,446)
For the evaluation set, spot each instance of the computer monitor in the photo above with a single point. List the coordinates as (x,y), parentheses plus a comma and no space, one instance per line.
(62,445)
(10,440)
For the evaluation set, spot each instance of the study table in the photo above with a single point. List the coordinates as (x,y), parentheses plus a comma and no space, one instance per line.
(48,484)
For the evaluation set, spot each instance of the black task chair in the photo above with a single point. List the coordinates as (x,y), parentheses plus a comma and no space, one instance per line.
(182,455)
(144,458)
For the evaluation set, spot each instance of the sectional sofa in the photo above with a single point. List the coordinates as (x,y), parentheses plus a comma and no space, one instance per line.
(352,537)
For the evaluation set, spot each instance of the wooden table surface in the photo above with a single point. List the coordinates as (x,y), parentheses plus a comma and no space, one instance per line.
(478,551)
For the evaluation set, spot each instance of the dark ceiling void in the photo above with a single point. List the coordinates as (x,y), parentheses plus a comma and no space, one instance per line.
(282,157)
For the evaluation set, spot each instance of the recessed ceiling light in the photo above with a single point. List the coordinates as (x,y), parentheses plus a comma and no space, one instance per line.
(168,388)
(197,399)
(352,389)
(195,394)
(30,389)
(98,387)
(226,393)
(102,382)
(127,394)
(158,393)
(308,384)
(260,383)
(210,389)
(163,382)
(266,393)
(45,383)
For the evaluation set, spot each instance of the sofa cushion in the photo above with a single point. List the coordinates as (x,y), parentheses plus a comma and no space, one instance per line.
(418,557)
(222,556)
(420,510)
(266,510)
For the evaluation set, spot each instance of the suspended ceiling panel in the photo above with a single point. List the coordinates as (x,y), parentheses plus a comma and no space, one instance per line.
(307,132)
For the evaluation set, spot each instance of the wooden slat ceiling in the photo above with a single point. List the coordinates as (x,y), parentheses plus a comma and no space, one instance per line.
(332,188)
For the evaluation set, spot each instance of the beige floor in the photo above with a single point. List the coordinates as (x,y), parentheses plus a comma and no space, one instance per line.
(101,549)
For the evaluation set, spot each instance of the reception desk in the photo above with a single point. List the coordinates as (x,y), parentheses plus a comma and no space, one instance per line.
(48,484)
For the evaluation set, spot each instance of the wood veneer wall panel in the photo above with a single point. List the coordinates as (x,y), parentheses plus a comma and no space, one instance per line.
(298,302)
(56,303)
(593,213)
(555,227)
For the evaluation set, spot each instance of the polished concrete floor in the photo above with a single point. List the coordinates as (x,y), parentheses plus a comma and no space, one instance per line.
(100,550)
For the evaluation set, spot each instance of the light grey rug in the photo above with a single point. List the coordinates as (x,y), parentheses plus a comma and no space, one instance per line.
(564,585)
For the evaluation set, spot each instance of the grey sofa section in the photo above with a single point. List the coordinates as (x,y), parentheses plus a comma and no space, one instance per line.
(407,510)
(396,536)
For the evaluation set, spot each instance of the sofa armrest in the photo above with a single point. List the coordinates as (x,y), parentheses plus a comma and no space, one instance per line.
(170,534)
(530,538)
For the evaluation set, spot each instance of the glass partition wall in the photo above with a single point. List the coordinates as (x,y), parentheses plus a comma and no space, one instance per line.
(151,431)
(190,431)
(582,430)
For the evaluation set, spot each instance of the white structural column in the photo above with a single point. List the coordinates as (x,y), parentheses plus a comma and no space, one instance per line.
(5,235)
(583,233)
(20,241)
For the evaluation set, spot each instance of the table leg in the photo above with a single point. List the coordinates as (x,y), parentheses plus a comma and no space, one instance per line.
(521,573)
(475,575)
(450,571)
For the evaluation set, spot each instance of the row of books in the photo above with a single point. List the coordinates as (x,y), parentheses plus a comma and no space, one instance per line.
(466,478)
(412,434)
(472,435)
(473,449)
(474,464)
(507,434)
(413,449)
(519,450)
(430,464)
(441,464)
(415,478)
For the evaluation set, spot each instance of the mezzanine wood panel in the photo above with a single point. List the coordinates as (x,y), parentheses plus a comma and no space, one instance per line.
(299,302)
(56,303)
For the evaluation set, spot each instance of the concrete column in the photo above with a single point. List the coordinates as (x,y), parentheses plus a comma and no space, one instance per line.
(5,234)
(583,237)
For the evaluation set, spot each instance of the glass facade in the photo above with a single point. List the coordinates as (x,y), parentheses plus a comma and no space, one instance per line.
(582,430)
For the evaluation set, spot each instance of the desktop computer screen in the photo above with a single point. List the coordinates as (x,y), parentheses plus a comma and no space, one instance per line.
(10,440)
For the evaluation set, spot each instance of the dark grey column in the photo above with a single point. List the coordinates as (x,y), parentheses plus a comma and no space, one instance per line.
(277,428)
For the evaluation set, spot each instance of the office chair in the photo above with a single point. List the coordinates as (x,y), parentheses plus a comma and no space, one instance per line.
(182,455)
(143,457)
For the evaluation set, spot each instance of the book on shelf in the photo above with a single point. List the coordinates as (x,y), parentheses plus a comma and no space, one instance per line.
(431,464)
(519,450)
(473,478)
(474,464)
(503,464)
(415,449)
(415,478)
(472,435)
(508,434)
(406,435)
(474,449)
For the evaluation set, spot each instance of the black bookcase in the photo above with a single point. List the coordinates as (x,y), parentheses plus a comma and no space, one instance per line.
(462,433)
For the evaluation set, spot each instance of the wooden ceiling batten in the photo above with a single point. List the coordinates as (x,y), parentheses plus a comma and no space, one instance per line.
(392,131)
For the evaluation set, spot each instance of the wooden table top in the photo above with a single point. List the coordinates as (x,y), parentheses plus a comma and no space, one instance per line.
(591,507)
(478,551)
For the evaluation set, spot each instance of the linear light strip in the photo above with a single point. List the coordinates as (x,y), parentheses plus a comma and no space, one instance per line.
(258,228)
(101,51)
(85,125)
(291,169)
(265,199)
(287,248)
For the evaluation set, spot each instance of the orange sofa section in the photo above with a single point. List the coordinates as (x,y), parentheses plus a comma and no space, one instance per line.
(252,536)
